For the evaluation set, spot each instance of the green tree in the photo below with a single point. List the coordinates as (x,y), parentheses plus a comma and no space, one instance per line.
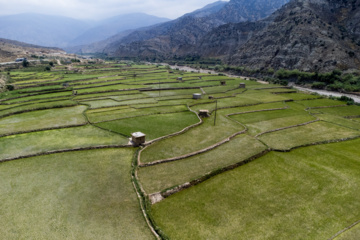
(25,63)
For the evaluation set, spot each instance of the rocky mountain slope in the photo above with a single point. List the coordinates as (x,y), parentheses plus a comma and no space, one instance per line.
(179,37)
(10,50)
(310,35)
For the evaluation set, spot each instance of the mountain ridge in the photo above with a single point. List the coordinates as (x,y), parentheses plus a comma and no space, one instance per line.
(58,31)
(180,36)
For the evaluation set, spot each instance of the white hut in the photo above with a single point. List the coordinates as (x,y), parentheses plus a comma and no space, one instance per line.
(197,96)
(138,138)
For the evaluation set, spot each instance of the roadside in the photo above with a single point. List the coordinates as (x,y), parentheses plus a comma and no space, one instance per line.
(328,93)
(321,92)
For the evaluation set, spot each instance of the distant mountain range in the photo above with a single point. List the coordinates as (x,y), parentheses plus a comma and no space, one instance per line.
(309,35)
(55,31)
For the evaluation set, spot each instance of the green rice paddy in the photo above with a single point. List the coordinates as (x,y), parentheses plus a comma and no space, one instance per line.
(310,193)
(294,157)
(78,195)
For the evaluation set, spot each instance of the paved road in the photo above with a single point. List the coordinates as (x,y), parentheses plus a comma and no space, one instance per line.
(321,92)
(329,93)
(7,63)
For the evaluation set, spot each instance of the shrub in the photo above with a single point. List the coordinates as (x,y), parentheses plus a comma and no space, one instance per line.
(335,86)
(10,87)
(318,85)
(348,100)
(25,63)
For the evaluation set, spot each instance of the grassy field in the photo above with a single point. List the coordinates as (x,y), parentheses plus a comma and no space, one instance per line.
(194,140)
(59,139)
(259,122)
(341,111)
(79,195)
(162,176)
(154,126)
(108,114)
(310,193)
(351,234)
(43,119)
(311,133)
(307,193)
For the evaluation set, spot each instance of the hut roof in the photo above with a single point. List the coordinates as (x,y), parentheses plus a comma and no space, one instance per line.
(138,134)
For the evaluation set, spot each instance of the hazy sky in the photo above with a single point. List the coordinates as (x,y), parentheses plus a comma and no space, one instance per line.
(99,9)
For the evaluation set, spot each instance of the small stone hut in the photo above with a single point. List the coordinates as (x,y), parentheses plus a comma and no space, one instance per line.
(204,113)
(138,138)
(222,83)
(197,96)
(242,85)
(179,78)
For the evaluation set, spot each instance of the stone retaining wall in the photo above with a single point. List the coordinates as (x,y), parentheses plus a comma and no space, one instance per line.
(279,129)
(42,129)
(317,143)
(265,110)
(173,190)
(283,92)
(35,109)
(64,151)
(193,153)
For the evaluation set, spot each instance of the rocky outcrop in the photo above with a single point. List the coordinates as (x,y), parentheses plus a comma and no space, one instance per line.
(226,39)
(310,35)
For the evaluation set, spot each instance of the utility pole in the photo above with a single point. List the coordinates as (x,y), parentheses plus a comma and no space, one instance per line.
(215,113)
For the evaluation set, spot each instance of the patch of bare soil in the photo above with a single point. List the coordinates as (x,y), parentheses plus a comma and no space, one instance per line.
(2,83)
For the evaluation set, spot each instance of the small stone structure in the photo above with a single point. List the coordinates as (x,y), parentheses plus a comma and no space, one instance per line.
(223,83)
(179,78)
(200,77)
(65,85)
(138,138)
(204,113)
(242,85)
(211,97)
(197,96)
(74,92)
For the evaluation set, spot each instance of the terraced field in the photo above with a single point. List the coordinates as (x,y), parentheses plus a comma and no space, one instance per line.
(267,163)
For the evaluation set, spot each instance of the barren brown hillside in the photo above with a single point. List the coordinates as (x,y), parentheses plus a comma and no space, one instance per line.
(10,50)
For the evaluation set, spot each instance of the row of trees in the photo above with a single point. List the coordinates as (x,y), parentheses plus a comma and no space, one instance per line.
(334,81)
